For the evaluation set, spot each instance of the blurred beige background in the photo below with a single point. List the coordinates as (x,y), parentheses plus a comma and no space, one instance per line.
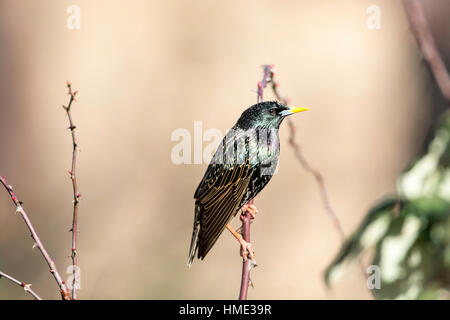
(146,68)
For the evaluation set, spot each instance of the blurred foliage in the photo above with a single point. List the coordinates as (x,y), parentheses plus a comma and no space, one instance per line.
(410,232)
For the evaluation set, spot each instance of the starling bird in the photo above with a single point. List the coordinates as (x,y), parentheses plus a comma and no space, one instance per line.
(240,168)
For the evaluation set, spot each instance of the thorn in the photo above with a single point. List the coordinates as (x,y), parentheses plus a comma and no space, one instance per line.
(75,93)
(18,210)
(34,246)
(252,264)
(20,202)
(64,107)
(71,230)
(72,127)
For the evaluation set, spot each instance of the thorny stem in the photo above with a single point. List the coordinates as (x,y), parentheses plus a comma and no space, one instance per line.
(419,28)
(247,264)
(25,286)
(306,165)
(76,195)
(19,209)
(267,73)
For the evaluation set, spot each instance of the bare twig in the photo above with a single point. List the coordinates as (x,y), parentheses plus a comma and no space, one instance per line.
(25,286)
(76,195)
(305,164)
(309,168)
(267,72)
(247,264)
(37,242)
(419,28)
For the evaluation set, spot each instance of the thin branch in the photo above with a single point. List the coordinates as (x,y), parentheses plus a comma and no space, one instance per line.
(247,217)
(19,209)
(267,72)
(421,31)
(246,264)
(25,286)
(305,164)
(76,195)
(309,168)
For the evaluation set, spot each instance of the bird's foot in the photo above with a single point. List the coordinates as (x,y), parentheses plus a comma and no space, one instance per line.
(246,247)
(250,208)
(247,251)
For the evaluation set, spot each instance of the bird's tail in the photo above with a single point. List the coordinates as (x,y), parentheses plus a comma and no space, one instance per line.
(194,241)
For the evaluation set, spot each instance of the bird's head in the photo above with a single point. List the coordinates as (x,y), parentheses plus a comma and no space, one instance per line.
(267,115)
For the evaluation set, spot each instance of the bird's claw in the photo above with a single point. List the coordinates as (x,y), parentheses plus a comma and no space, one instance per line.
(250,208)
(247,251)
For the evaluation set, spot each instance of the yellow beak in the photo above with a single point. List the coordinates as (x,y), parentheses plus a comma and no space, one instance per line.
(292,110)
(295,110)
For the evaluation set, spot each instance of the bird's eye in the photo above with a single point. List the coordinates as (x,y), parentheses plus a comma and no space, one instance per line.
(273,111)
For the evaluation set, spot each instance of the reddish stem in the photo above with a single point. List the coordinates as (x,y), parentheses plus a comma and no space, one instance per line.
(246,265)
(313,171)
(19,209)
(419,28)
(246,221)
(76,195)
(25,286)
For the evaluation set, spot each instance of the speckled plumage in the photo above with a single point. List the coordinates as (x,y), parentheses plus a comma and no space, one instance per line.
(241,167)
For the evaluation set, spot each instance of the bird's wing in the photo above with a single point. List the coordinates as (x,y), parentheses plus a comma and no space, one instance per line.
(225,157)
(219,201)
